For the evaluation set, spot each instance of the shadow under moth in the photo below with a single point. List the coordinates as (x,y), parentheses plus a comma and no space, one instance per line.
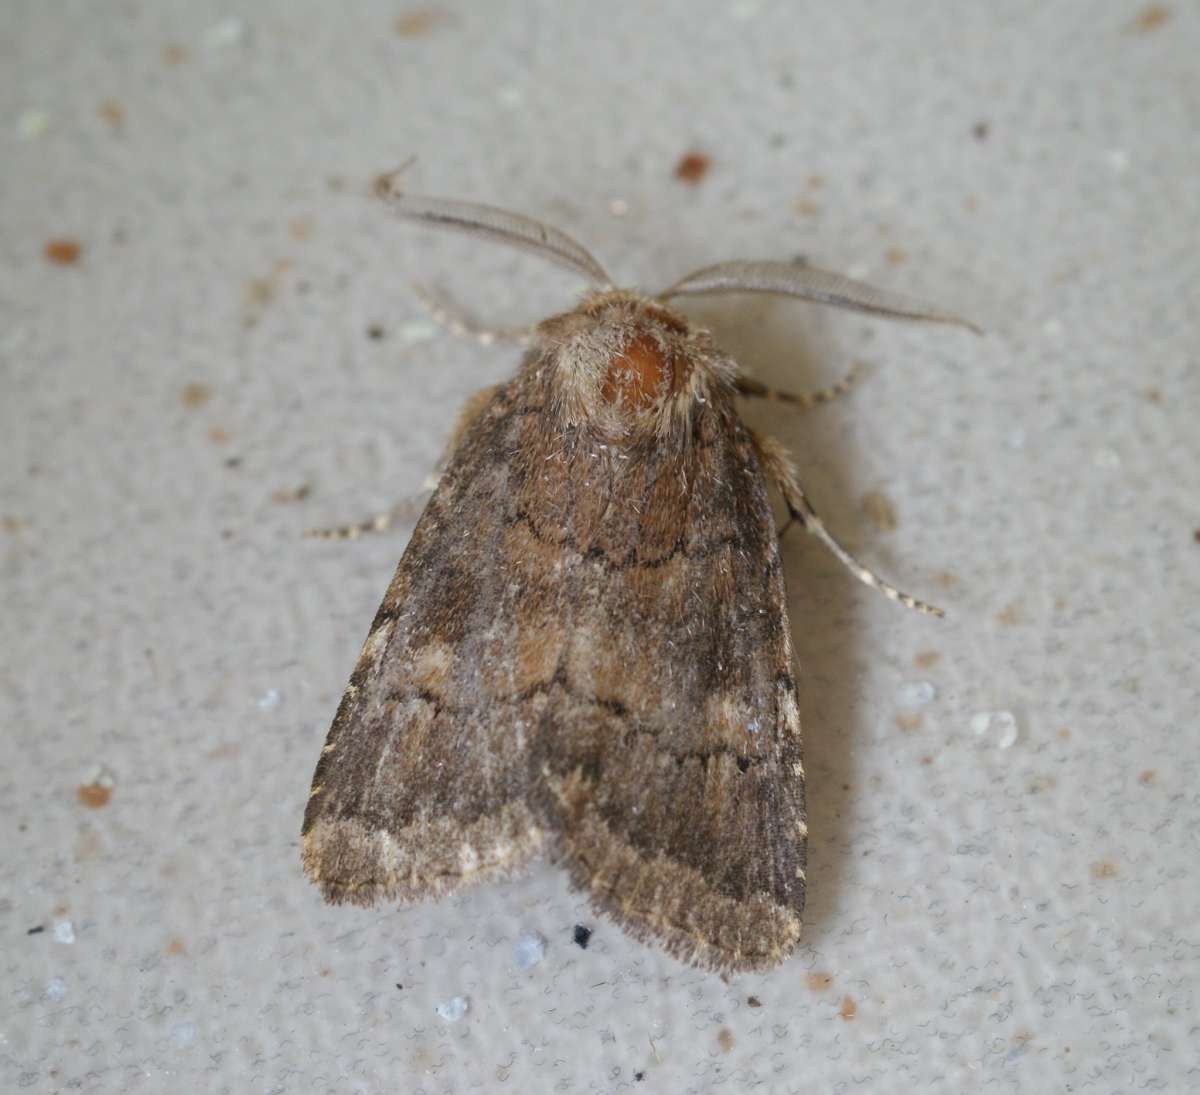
(585,650)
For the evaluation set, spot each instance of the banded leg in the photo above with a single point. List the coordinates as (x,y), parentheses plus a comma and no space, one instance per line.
(445,311)
(804,400)
(405,511)
(410,509)
(776,463)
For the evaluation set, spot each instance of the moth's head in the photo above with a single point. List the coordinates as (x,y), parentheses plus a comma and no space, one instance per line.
(626,365)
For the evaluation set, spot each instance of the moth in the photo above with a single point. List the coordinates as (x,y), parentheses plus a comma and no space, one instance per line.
(585,651)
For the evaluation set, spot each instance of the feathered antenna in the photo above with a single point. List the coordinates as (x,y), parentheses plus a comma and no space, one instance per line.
(491,223)
(808,283)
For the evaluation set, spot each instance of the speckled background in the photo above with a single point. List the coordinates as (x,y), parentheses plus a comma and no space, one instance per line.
(1004,805)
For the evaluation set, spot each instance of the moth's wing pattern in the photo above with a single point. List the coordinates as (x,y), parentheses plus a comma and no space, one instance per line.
(587,649)
(423,782)
(670,763)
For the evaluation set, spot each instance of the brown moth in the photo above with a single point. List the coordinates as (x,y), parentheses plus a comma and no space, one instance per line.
(585,652)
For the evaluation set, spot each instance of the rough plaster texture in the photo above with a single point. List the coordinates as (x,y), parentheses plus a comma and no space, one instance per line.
(985,914)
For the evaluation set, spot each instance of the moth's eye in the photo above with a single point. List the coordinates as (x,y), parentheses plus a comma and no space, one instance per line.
(639,374)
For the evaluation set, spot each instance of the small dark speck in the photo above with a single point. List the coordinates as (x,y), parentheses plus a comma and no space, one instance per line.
(1196,535)
(753,1001)
(980,131)
(375,332)
(639,1076)
(582,936)
(399,986)
(233,462)
(36,931)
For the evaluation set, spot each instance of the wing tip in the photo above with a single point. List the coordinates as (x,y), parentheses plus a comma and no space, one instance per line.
(660,901)
(355,862)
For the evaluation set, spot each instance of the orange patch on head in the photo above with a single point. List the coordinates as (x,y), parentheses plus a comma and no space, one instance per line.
(638,374)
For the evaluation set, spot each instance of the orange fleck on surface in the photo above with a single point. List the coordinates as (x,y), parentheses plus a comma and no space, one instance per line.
(692,167)
(412,24)
(94,795)
(927,760)
(725,1039)
(927,659)
(908,722)
(113,112)
(1147,777)
(1104,869)
(807,208)
(1064,733)
(174,54)
(195,394)
(62,252)
(300,228)
(175,947)
(1154,395)
(638,374)
(897,256)
(1009,615)
(218,436)
(815,182)
(947,580)
(1151,17)
(819,981)
(849,1009)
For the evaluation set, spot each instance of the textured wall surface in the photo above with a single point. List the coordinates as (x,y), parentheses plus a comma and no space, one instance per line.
(208,344)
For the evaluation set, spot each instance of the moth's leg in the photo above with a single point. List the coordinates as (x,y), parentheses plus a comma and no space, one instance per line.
(803,400)
(445,311)
(778,465)
(381,522)
(410,508)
